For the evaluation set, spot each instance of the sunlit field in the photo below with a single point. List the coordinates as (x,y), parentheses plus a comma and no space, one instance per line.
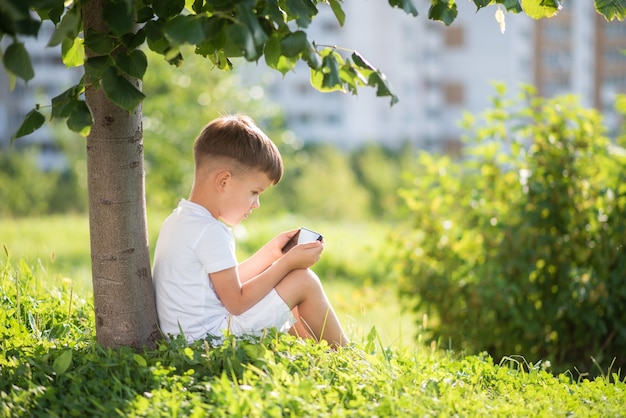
(57,249)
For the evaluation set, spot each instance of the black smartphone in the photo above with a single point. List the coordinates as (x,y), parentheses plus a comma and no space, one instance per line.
(303,235)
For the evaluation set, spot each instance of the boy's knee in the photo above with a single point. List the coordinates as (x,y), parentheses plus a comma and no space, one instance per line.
(305,278)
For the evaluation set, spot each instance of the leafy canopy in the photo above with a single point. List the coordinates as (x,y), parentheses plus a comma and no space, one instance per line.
(220,30)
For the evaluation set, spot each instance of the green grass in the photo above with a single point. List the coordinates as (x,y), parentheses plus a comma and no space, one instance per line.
(50,365)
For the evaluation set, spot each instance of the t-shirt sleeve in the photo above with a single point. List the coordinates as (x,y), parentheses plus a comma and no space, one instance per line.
(216,248)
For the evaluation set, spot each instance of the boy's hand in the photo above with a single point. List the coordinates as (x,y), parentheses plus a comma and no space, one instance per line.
(303,256)
(276,244)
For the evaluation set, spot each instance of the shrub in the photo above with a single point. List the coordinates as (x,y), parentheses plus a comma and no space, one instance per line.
(25,190)
(518,249)
(319,182)
(380,170)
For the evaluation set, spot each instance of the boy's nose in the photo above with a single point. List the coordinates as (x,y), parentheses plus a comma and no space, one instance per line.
(256,203)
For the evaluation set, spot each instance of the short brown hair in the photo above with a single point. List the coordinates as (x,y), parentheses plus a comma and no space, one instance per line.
(239,139)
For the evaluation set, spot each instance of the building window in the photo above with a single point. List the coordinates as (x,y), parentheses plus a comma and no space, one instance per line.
(452,146)
(453,93)
(613,57)
(557,33)
(454,37)
(557,60)
(614,31)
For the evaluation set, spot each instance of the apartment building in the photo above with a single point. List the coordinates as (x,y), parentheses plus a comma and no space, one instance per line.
(441,72)
(579,52)
(438,73)
(51,78)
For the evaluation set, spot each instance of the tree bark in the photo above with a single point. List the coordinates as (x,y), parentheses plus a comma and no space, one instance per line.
(121,275)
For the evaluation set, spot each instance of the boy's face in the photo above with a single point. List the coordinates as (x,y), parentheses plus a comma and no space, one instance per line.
(242,193)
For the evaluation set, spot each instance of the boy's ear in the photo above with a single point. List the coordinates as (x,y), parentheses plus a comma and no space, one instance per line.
(221,180)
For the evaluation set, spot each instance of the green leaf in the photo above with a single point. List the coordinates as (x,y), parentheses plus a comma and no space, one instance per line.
(118,15)
(611,9)
(240,42)
(140,360)
(271,10)
(220,60)
(134,40)
(482,3)
(375,79)
(286,64)
(121,91)
(134,64)
(312,58)
(247,17)
(95,66)
(145,14)
(64,103)
(54,13)
(156,39)
(328,78)
(538,9)
(185,29)
(294,43)
(73,52)
(302,11)
(197,6)
(331,76)
(272,52)
(378,80)
(67,28)
(15,19)
(511,5)
(80,118)
(33,121)
(406,5)
(340,15)
(362,62)
(17,61)
(63,362)
(165,9)
(12,81)
(351,77)
(99,43)
(214,27)
(317,81)
(443,11)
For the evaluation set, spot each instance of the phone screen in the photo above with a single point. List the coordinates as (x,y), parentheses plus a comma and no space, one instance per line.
(303,235)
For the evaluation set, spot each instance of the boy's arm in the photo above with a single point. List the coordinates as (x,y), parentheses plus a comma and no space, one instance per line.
(238,296)
(265,256)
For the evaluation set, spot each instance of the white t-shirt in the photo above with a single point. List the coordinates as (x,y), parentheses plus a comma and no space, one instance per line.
(191,244)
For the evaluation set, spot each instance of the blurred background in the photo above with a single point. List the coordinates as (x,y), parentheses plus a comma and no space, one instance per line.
(484,211)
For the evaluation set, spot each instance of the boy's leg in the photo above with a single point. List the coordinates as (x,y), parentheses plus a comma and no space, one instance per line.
(303,290)
(299,329)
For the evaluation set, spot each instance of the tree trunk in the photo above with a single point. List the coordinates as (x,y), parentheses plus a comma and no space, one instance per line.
(120,258)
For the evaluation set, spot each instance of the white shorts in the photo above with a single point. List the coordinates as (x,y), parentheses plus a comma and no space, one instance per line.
(269,312)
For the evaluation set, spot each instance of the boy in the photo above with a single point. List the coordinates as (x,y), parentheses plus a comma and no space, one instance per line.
(200,288)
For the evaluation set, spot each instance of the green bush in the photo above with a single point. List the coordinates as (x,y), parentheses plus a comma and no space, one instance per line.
(319,182)
(519,248)
(381,171)
(25,190)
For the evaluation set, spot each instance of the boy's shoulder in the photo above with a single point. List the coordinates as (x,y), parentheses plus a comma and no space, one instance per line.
(192,217)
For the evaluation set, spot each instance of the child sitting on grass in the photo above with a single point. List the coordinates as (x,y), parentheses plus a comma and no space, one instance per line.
(200,288)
